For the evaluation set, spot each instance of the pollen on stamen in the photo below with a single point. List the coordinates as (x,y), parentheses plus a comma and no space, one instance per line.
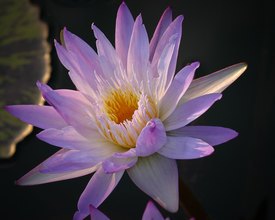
(120,105)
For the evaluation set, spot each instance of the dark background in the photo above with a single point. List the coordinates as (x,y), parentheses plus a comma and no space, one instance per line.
(237,181)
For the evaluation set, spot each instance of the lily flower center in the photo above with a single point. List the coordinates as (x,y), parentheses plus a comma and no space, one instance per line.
(120,105)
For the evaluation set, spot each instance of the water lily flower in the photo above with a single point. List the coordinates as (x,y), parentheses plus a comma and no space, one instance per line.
(150,213)
(130,112)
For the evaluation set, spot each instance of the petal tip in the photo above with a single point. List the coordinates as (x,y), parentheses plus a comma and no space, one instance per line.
(181,18)
(8,108)
(172,207)
(39,84)
(196,64)
(233,134)
(244,66)
(20,182)
(139,19)
(122,5)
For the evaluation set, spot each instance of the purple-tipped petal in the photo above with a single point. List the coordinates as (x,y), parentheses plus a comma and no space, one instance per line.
(66,58)
(72,106)
(151,138)
(79,215)
(69,138)
(185,148)
(107,54)
(76,160)
(78,69)
(214,83)
(211,134)
(189,111)
(115,164)
(151,212)
(81,74)
(138,54)
(97,190)
(84,57)
(80,59)
(177,88)
(124,27)
(130,153)
(35,177)
(175,28)
(81,49)
(157,176)
(163,23)
(39,116)
(95,214)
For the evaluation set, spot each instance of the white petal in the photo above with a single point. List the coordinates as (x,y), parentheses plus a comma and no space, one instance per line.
(214,83)
(157,176)
(163,65)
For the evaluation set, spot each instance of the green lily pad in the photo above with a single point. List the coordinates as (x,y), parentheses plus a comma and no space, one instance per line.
(24,59)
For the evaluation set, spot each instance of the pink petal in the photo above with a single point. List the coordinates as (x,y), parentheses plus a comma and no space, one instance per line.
(175,28)
(124,27)
(189,111)
(96,214)
(163,23)
(35,177)
(157,176)
(151,138)
(72,106)
(97,190)
(115,164)
(138,55)
(214,83)
(77,160)
(69,138)
(39,116)
(177,88)
(162,67)
(211,134)
(185,148)
(151,212)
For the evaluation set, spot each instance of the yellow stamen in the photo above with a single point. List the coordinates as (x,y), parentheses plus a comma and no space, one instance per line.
(121,105)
